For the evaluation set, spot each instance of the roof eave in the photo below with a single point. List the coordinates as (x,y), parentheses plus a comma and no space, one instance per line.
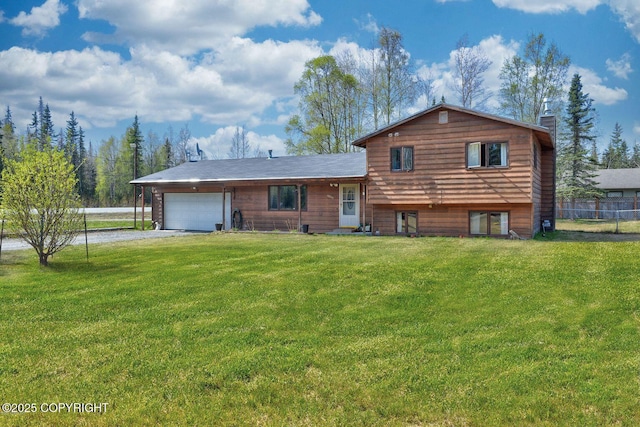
(225,180)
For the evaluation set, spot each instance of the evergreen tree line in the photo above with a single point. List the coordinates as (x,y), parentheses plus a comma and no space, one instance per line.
(618,154)
(103,174)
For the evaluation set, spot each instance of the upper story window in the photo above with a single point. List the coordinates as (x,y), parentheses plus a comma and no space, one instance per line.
(402,158)
(487,154)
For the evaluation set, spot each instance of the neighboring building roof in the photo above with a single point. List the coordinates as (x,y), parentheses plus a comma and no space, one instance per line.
(541,132)
(618,179)
(329,166)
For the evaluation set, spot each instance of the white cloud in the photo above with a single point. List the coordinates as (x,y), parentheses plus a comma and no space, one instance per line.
(592,84)
(235,85)
(495,48)
(217,145)
(41,18)
(620,68)
(189,27)
(636,128)
(549,6)
(370,25)
(629,11)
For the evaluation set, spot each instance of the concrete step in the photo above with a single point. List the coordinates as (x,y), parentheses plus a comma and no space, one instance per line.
(341,231)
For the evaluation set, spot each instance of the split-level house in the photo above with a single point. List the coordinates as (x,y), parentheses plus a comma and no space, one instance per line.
(445,171)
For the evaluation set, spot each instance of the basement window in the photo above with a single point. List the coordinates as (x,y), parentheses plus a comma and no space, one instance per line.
(489,223)
(407,222)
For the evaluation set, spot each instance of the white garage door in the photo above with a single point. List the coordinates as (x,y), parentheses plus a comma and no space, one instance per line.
(195,211)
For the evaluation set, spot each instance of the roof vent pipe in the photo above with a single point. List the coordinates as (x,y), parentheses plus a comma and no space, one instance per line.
(545,107)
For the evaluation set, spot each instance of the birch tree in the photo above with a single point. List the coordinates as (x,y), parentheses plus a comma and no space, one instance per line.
(326,123)
(470,63)
(40,201)
(527,80)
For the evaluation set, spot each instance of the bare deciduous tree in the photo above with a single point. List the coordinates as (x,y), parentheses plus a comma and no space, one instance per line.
(528,80)
(470,65)
(239,144)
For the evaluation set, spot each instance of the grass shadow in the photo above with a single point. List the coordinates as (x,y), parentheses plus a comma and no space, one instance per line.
(587,236)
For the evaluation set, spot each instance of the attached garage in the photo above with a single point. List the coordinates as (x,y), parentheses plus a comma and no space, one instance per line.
(195,211)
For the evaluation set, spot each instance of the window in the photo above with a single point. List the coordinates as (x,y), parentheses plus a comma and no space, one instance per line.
(489,223)
(407,222)
(614,193)
(486,154)
(402,158)
(285,197)
(443,117)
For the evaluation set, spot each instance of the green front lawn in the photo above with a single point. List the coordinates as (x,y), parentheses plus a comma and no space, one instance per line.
(267,329)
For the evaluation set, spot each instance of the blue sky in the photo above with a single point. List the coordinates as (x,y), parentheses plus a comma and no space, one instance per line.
(214,65)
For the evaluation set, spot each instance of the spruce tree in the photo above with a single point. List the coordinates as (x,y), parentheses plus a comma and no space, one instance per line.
(9,138)
(616,155)
(577,171)
(135,139)
(634,161)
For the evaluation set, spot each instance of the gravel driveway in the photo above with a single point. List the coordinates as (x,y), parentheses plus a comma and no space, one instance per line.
(13,244)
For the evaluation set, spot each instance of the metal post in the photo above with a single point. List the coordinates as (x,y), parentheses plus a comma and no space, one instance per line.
(1,236)
(86,238)
(142,208)
(135,186)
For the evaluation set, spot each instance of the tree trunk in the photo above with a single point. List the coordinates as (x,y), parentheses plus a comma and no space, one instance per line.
(44,259)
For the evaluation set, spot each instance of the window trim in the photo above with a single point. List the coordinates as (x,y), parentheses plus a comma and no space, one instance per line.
(489,232)
(402,158)
(303,197)
(484,155)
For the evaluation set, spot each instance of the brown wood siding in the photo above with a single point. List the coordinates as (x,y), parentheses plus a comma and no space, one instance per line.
(440,175)
(322,214)
(450,220)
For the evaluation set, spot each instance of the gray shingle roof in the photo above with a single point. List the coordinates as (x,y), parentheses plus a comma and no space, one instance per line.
(332,166)
(618,179)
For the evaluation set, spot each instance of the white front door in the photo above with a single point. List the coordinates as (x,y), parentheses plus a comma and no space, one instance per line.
(349,205)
